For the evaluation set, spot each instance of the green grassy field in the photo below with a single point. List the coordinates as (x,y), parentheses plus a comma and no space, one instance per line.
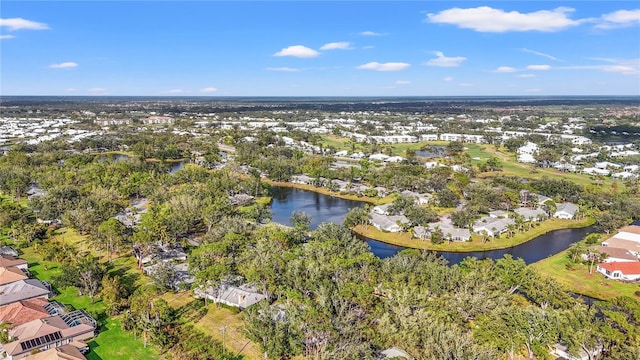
(112,342)
(579,281)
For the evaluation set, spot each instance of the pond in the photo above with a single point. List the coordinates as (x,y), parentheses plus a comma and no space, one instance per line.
(324,208)
(532,251)
(321,208)
(432,152)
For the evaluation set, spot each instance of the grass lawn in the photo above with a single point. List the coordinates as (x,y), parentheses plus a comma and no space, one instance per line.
(113,343)
(405,239)
(579,281)
(512,167)
(235,341)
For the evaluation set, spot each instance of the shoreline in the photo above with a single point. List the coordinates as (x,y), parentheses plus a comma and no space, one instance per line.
(323,191)
(406,240)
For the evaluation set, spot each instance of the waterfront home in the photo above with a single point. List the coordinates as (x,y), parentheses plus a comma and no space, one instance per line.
(631,232)
(241,296)
(620,270)
(629,245)
(421,232)
(46,333)
(394,159)
(616,254)
(301,179)
(388,222)
(531,214)
(382,209)
(491,226)
(565,210)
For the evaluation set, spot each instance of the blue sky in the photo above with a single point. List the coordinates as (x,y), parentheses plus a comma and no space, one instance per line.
(330,48)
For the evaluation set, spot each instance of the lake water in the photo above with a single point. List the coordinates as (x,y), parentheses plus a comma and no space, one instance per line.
(324,208)
(432,152)
(321,208)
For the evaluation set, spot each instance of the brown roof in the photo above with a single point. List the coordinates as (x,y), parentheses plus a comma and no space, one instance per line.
(11,274)
(634,229)
(21,312)
(617,253)
(8,260)
(42,327)
(623,244)
(64,352)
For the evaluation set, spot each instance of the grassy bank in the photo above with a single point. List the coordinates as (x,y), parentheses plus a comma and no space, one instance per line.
(579,281)
(406,240)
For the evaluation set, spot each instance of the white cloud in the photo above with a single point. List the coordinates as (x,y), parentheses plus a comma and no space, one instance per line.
(283,69)
(620,18)
(539,67)
(208,90)
(626,70)
(6,37)
(22,24)
(540,54)
(448,78)
(371,33)
(64,65)
(526,75)
(505,69)
(175,91)
(444,61)
(341,45)
(487,19)
(402,82)
(390,66)
(297,51)
(97,90)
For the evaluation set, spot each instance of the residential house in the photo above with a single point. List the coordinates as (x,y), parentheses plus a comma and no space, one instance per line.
(624,175)
(23,290)
(596,171)
(531,214)
(388,222)
(43,334)
(606,165)
(342,153)
(497,214)
(616,254)
(301,179)
(421,232)
(11,274)
(565,210)
(64,352)
(182,278)
(492,226)
(631,232)
(394,159)
(420,199)
(620,270)
(382,209)
(631,246)
(8,250)
(10,261)
(24,311)
(241,296)
(378,157)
